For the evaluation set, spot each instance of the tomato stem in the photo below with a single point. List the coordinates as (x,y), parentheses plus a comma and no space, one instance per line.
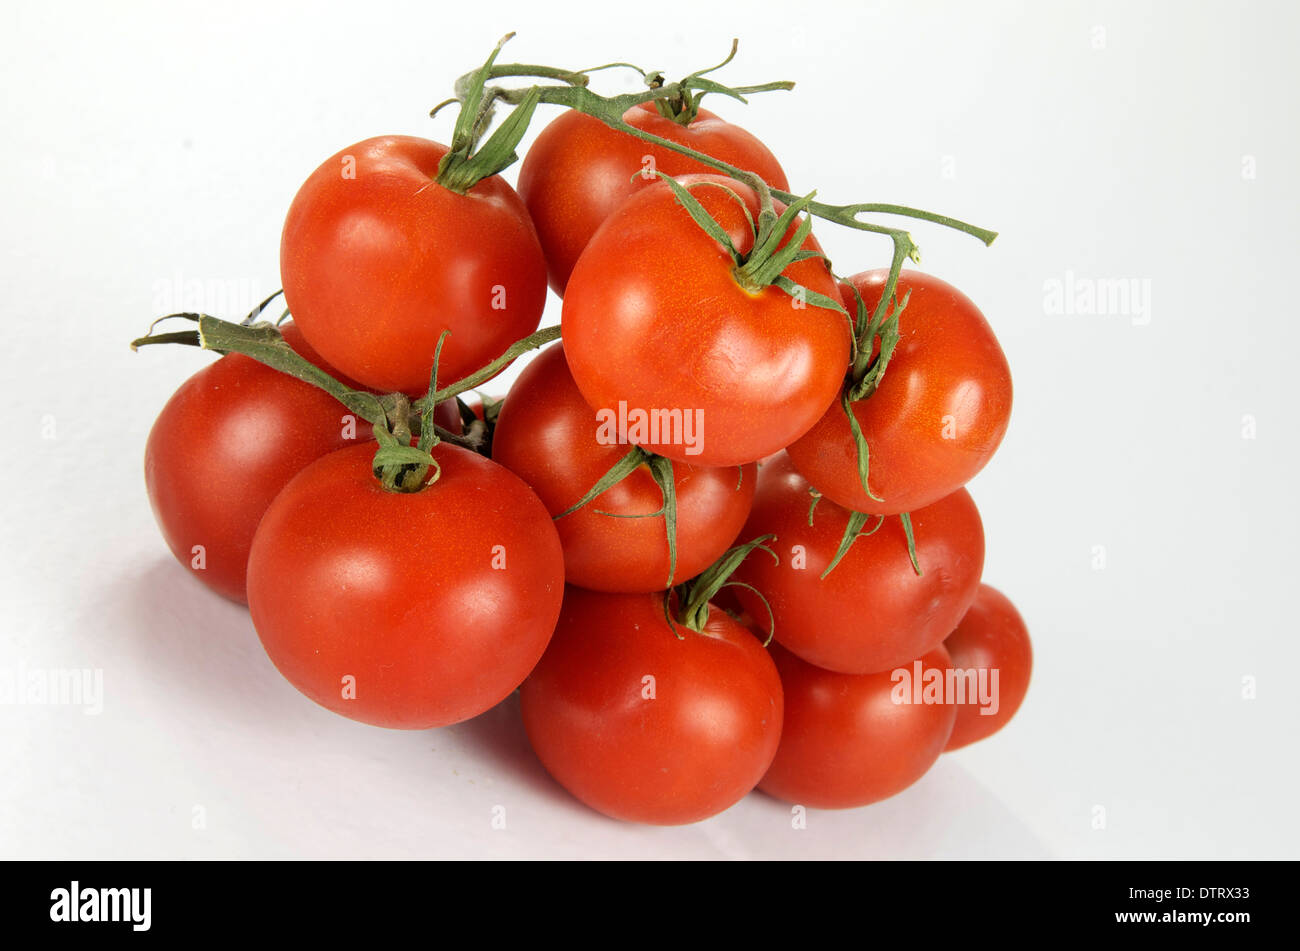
(692,598)
(676,100)
(395,419)
(533,341)
(466,164)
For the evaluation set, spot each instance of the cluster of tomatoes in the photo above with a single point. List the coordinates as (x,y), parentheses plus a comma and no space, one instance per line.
(711,538)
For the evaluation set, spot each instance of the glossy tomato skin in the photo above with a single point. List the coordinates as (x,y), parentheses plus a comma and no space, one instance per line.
(225,444)
(992,636)
(547,435)
(654,318)
(938,415)
(579,170)
(376,266)
(644,726)
(848,741)
(872,612)
(437,603)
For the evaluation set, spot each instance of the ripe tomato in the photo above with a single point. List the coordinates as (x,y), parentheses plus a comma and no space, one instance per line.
(872,612)
(938,415)
(579,170)
(655,320)
(850,740)
(992,636)
(643,725)
(405,610)
(547,435)
(224,445)
(377,260)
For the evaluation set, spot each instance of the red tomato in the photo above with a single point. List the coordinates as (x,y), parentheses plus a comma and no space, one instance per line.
(648,329)
(405,610)
(850,740)
(579,170)
(377,260)
(547,435)
(643,725)
(872,612)
(938,415)
(991,637)
(224,445)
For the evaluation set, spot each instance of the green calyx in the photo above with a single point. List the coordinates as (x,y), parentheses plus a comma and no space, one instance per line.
(856,528)
(468,162)
(873,345)
(692,598)
(685,106)
(769,255)
(661,470)
(400,466)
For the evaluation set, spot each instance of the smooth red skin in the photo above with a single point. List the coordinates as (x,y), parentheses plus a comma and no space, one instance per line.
(546,435)
(947,363)
(375,268)
(653,315)
(872,612)
(398,589)
(845,742)
(694,750)
(991,635)
(224,446)
(579,171)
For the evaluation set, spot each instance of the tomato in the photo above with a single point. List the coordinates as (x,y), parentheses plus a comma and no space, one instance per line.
(377,260)
(853,739)
(655,320)
(224,445)
(872,612)
(405,610)
(938,415)
(991,637)
(447,415)
(548,436)
(579,171)
(643,725)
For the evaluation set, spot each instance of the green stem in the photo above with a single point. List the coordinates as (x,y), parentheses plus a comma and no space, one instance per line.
(517,349)
(693,596)
(263,343)
(610,111)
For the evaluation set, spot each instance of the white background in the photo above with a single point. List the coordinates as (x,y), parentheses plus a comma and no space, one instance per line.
(146,144)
